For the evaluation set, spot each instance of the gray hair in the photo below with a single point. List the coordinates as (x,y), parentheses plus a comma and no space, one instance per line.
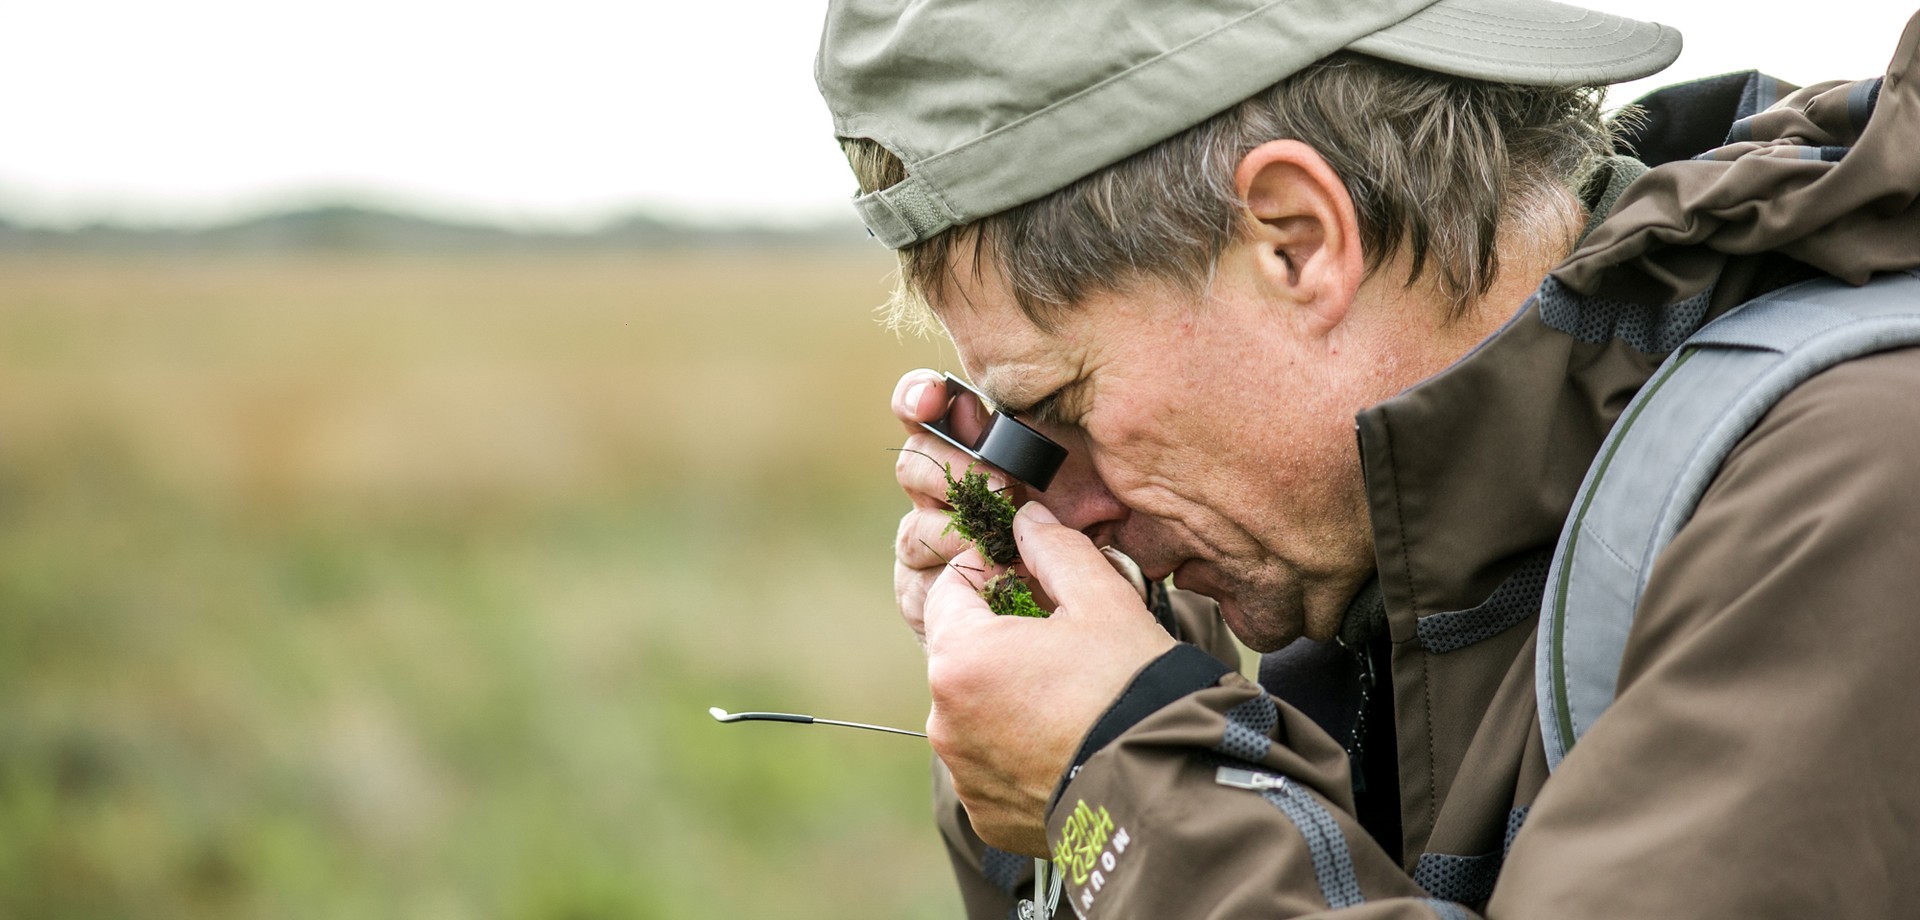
(1436,165)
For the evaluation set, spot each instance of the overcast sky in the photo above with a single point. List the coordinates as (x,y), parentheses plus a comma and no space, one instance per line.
(561,112)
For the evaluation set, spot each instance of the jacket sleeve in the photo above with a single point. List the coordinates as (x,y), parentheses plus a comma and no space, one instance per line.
(1199,796)
(992,881)
(1760,761)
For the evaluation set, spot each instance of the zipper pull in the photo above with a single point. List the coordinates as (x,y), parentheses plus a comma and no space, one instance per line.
(1248,779)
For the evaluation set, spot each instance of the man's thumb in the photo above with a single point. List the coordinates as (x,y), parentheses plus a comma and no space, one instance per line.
(1069,568)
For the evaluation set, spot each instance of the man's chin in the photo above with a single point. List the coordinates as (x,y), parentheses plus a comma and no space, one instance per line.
(1261,634)
(1261,626)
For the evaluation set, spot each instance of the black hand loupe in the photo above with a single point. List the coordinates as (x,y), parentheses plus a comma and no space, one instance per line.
(1005,441)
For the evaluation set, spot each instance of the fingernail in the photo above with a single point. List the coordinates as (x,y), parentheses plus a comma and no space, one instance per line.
(913,397)
(1038,513)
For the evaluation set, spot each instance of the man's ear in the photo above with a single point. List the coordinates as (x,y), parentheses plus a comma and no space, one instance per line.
(1305,233)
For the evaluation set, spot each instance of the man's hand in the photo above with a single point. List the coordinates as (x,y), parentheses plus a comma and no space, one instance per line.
(1013,697)
(923,538)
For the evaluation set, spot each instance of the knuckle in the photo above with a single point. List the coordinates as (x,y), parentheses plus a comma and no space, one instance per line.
(939,688)
(951,682)
(906,537)
(902,471)
(919,532)
(910,583)
(922,469)
(941,742)
(933,452)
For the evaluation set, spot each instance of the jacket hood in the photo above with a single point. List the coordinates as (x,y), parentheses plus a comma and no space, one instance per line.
(1827,176)
(1471,473)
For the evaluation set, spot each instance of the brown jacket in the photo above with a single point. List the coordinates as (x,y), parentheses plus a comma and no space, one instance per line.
(1763,756)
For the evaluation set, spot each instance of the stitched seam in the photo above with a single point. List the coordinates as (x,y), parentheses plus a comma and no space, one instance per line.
(1426,682)
(1562,705)
(1436,20)
(1433,784)
(927,188)
(1400,524)
(1437,24)
(1404,43)
(1436,14)
(1616,554)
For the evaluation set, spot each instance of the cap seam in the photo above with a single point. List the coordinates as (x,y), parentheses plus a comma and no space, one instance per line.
(1398,41)
(1439,12)
(1480,30)
(1476,29)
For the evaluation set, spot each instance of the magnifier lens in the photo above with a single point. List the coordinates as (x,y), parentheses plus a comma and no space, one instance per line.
(1005,441)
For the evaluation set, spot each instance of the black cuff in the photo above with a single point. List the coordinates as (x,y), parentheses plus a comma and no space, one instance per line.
(1183,670)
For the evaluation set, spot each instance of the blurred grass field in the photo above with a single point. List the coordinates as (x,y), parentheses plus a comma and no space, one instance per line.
(398,586)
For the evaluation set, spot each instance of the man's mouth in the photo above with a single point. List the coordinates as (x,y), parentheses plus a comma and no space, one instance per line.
(1157,563)
(1155,570)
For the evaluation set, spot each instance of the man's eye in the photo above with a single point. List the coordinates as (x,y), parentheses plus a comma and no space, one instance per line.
(1047,410)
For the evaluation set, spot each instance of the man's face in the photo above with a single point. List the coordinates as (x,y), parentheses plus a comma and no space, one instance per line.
(1211,439)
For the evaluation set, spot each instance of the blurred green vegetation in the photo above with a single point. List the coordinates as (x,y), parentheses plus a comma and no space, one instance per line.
(398,586)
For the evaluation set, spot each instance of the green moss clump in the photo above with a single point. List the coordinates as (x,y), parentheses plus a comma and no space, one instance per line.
(982,515)
(1009,596)
(985,518)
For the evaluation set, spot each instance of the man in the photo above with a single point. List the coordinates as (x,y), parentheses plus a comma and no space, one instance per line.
(1202,245)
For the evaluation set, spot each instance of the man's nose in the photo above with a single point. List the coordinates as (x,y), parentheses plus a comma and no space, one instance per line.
(1080,499)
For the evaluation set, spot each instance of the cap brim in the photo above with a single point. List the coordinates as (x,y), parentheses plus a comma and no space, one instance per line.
(1534,42)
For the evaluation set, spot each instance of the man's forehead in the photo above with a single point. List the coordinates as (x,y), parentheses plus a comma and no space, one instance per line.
(1006,356)
(1010,370)
(1006,361)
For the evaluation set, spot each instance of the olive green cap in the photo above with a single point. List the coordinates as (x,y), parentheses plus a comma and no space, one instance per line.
(995,103)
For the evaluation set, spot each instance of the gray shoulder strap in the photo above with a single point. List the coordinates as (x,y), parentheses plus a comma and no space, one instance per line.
(1658,459)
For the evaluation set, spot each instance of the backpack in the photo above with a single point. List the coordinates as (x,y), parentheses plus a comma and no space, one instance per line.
(1657,461)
